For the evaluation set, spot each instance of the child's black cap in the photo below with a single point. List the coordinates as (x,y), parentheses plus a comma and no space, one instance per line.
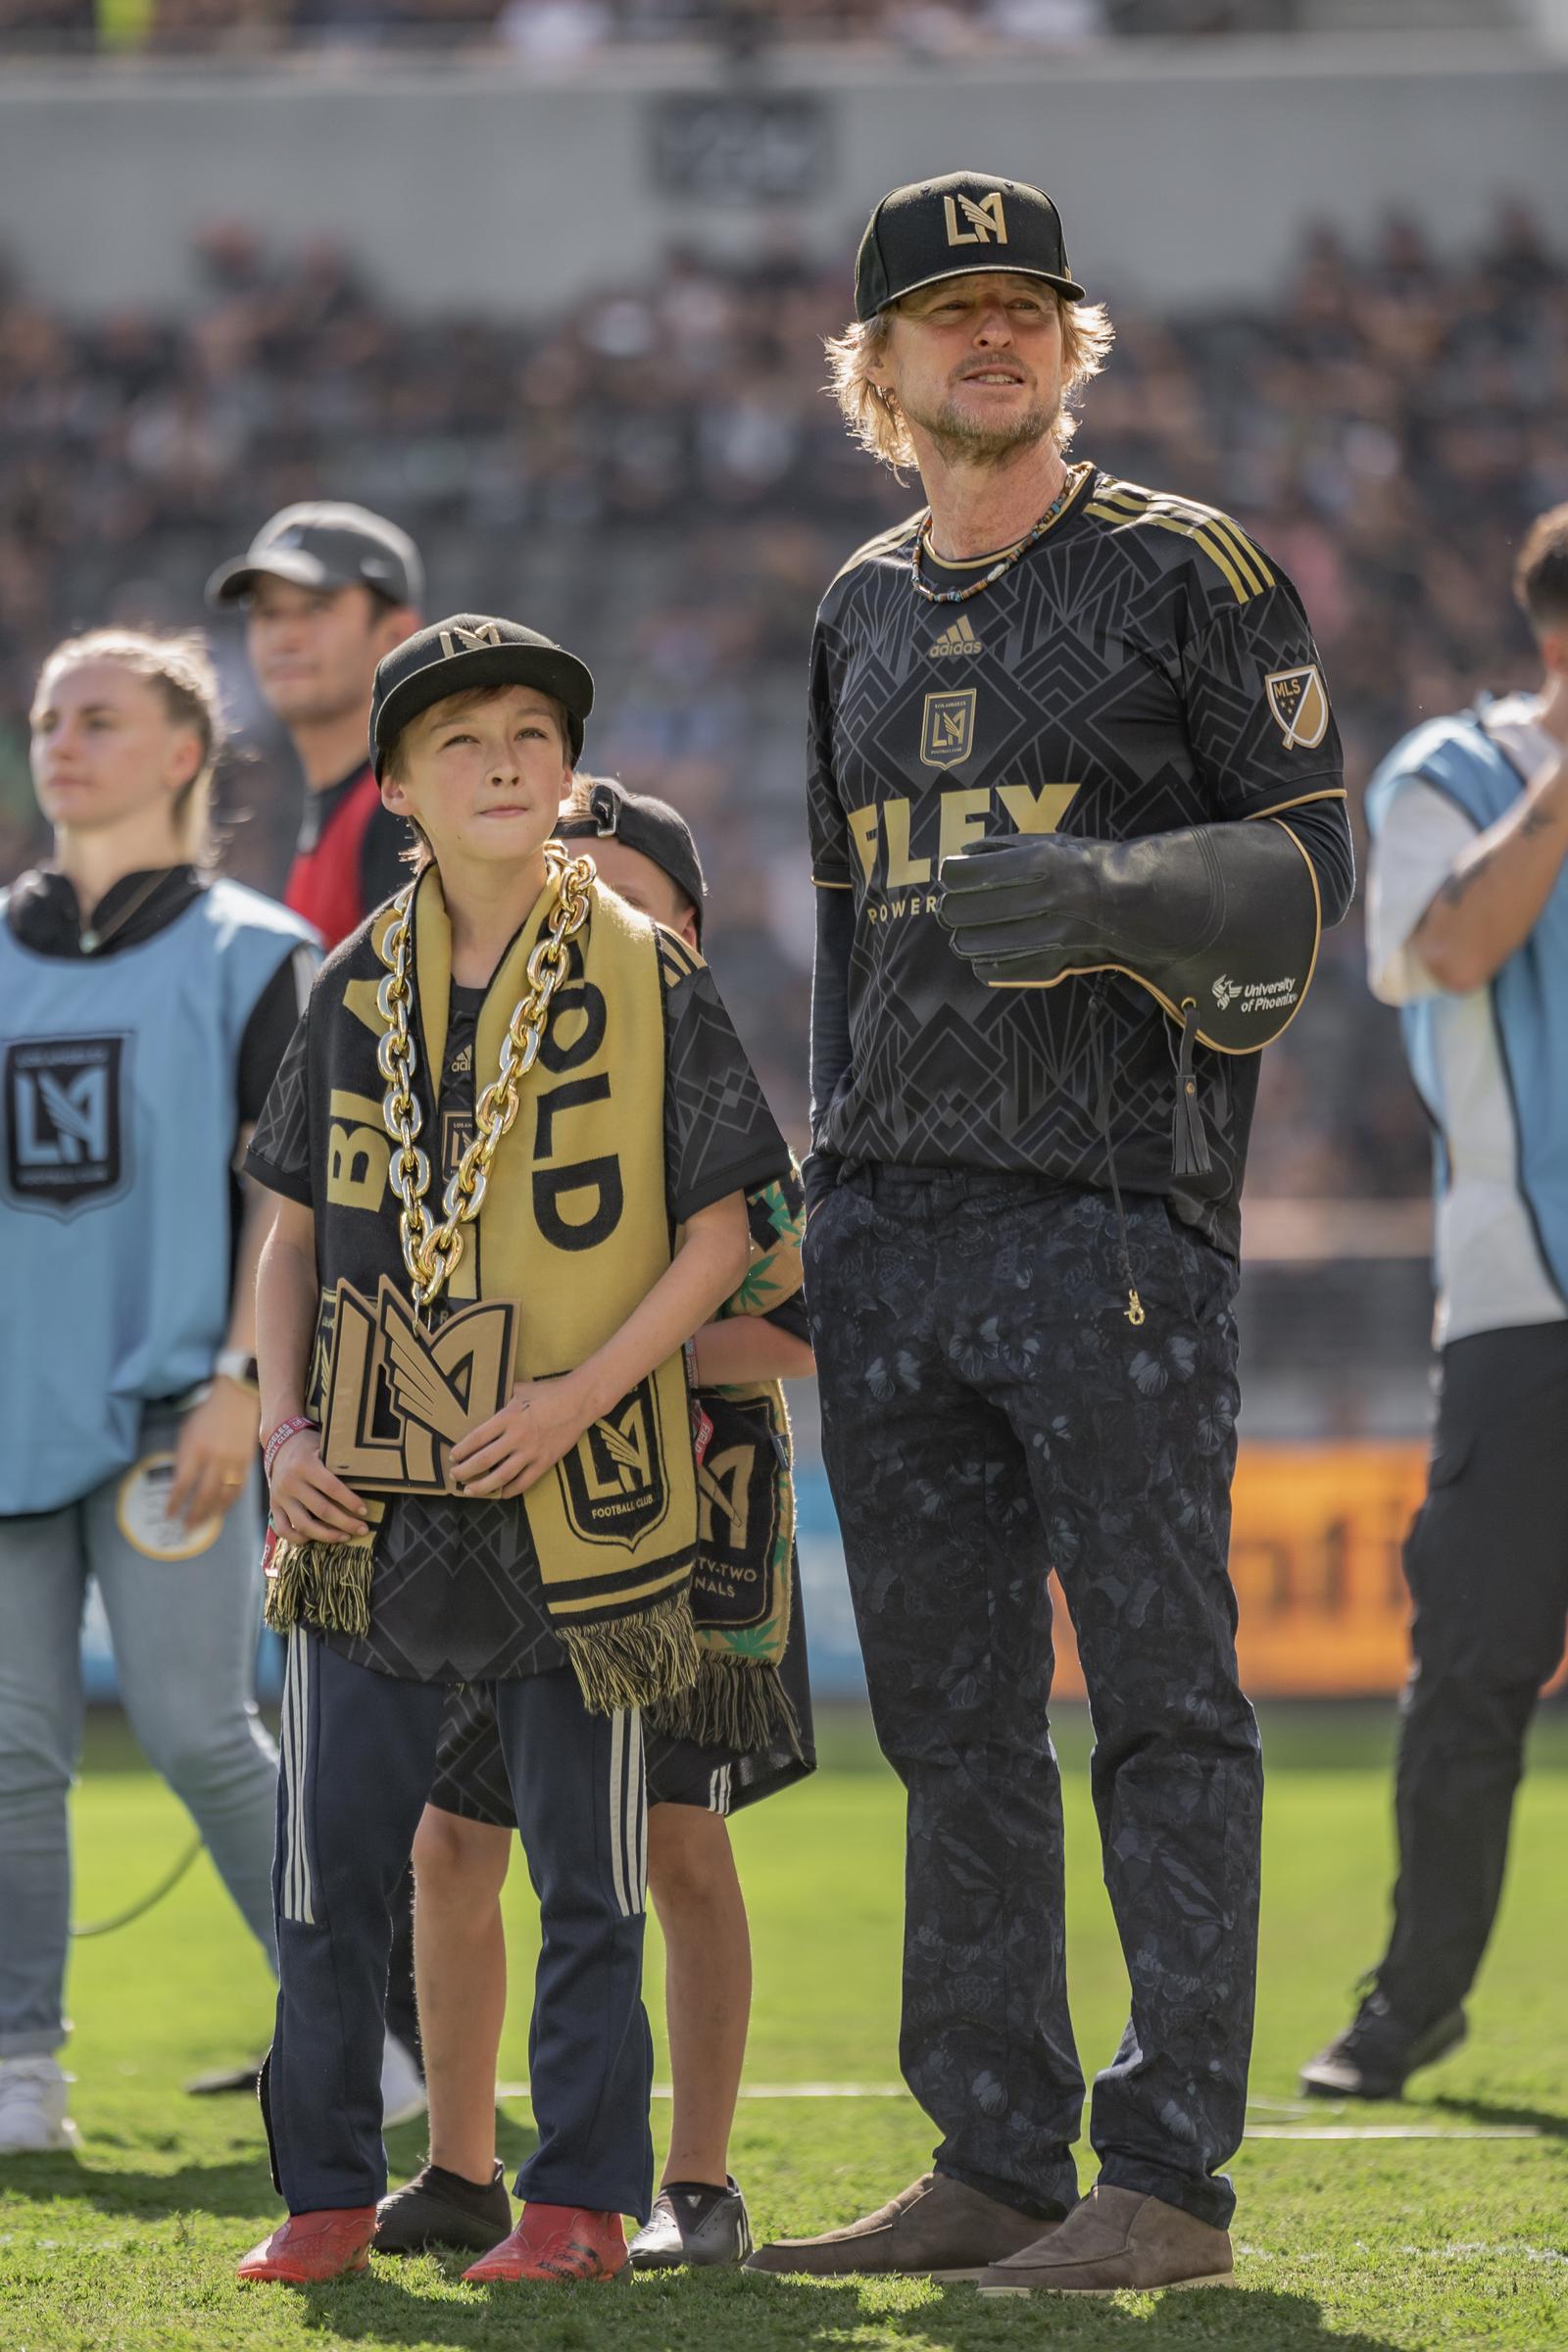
(472,650)
(651,827)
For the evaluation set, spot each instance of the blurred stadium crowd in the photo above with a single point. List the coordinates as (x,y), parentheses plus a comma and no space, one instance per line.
(657,478)
(575,28)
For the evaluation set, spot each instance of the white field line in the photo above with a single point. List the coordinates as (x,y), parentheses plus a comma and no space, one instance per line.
(1393,2131)
(897,2090)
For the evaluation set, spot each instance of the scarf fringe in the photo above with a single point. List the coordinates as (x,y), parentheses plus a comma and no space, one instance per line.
(324,1585)
(634,1661)
(738,1703)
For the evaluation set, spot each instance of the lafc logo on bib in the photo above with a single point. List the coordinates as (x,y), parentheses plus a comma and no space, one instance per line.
(613,1479)
(1300,705)
(947,728)
(64,1121)
(399,1397)
(986,220)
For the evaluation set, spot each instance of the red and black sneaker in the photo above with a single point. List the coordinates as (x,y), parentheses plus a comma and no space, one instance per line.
(553,2242)
(311,2246)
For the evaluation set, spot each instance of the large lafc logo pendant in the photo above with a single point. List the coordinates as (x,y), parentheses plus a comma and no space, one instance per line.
(397,1397)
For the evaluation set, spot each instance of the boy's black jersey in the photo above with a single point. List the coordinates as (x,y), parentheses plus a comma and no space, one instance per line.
(1142,668)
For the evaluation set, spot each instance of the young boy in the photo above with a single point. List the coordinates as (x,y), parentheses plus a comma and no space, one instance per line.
(747,1594)
(501,1490)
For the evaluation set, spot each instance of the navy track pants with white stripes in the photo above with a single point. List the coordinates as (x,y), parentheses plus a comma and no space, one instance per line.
(359,1754)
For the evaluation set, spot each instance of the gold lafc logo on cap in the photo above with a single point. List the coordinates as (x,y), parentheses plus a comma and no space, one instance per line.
(1300,705)
(987,220)
(468,641)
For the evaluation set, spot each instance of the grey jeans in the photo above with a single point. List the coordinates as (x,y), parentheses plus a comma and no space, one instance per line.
(184,1640)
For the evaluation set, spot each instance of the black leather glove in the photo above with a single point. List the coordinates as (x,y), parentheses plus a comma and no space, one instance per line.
(1220,922)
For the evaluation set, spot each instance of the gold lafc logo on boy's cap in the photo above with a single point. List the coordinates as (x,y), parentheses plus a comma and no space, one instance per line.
(1300,705)
(468,641)
(987,220)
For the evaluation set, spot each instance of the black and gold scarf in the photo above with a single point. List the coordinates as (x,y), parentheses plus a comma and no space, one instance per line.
(574,1232)
(743,1592)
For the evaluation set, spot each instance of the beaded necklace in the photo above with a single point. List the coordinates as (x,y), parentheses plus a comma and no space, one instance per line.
(961,595)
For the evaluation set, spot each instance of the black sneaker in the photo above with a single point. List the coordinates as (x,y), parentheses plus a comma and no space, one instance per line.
(1377,2053)
(438,2208)
(227,2080)
(695,2226)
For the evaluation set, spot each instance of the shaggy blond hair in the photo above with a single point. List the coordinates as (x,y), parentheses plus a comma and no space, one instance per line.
(179,669)
(872,412)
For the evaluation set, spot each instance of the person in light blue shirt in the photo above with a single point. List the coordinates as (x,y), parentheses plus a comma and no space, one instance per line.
(1467,935)
(144,1007)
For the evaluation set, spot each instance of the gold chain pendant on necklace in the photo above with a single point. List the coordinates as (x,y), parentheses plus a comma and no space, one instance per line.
(432,1253)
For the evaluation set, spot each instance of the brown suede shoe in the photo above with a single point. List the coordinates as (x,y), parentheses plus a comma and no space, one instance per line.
(1116,2239)
(935,2230)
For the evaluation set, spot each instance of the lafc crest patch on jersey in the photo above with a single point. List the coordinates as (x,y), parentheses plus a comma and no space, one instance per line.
(613,1481)
(1300,702)
(64,1121)
(399,1397)
(947,727)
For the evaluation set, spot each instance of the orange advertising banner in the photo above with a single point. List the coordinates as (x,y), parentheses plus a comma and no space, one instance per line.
(1316,1536)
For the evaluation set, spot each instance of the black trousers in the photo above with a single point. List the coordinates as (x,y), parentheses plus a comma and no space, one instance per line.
(359,1753)
(1487,1563)
(989,1412)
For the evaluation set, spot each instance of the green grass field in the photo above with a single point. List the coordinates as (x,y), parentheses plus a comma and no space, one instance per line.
(1458,2237)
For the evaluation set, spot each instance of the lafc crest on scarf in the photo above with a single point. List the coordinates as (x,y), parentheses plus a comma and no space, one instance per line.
(612,1480)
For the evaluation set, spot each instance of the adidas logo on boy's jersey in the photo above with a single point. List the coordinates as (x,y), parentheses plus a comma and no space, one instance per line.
(959,639)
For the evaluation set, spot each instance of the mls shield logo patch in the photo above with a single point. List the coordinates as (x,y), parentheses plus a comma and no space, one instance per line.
(612,1480)
(1300,706)
(947,728)
(65,1121)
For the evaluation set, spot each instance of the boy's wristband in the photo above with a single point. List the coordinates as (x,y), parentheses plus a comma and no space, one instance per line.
(280,1437)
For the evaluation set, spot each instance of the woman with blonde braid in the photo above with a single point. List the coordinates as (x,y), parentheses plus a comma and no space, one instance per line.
(144,1007)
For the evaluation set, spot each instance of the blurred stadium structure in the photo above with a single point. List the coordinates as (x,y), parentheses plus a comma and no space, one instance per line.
(574,29)
(555,301)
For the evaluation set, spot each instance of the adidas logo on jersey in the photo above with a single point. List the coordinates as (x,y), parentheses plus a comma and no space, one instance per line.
(462,1064)
(959,639)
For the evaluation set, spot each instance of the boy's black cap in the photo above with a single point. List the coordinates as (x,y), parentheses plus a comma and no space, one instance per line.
(326,545)
(651,827)
(468,651)
(970,220)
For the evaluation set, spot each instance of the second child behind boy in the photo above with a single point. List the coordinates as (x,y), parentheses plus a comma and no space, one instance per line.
(545,1550)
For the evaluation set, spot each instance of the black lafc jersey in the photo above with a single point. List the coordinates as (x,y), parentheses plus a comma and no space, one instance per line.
(1114,682)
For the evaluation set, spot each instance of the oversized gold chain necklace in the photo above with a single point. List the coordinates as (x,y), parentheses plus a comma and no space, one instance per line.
(430,1252)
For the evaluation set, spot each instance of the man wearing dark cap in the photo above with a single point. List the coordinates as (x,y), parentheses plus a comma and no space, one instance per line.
(506,1203)
(326,590)
(1056,724)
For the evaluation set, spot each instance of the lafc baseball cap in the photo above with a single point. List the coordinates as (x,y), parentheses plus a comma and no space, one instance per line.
(326,545)
(971,220)
(472,650)
(651,827)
